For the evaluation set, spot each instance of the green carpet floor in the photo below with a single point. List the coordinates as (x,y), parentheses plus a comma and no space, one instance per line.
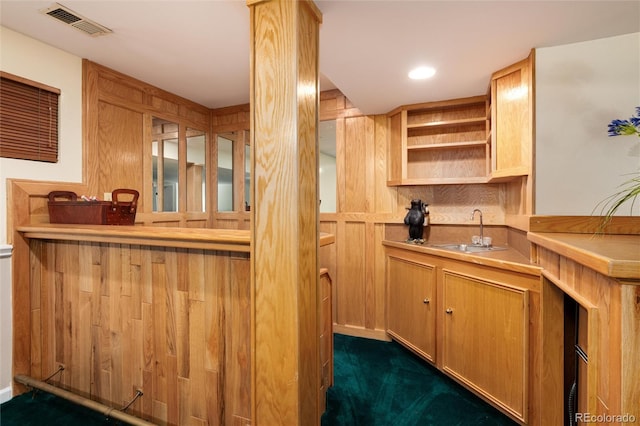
(376,384)
(46,409)
(382,384)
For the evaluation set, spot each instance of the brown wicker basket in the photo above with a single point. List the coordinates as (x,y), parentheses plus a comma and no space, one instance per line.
(115,212)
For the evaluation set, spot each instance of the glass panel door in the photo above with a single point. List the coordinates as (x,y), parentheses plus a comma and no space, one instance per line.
(165,165)
(196,171)
(225,172)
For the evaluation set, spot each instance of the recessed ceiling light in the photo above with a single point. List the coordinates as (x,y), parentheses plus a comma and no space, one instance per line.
(421,73)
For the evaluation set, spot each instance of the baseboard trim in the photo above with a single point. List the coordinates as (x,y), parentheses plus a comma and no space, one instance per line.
(5,394)
(361,332)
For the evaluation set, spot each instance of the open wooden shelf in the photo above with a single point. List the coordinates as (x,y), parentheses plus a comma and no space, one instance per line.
(486,138)
(446,123)
(445,142)
(449,145)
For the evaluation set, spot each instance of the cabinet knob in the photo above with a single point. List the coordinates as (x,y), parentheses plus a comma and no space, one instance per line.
(425,301)
(449,311)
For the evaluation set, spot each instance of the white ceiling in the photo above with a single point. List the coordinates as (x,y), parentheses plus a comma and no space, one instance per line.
(200,49)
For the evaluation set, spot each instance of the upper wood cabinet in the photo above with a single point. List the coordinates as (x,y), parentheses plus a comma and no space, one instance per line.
(512,120)
(478,139)
(443,142)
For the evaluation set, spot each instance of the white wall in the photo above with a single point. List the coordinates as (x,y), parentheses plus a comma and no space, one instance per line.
(26,57)
(6,331)
(580,88)
(327,183)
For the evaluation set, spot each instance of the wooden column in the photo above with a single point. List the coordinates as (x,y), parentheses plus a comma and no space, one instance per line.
(284,213)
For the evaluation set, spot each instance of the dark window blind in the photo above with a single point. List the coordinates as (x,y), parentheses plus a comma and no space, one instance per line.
(28,119)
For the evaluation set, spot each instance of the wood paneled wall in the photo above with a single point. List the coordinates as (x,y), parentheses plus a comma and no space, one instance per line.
(172,322)
(122,317)
(153,322)
(230,119)
(365,205)
(118,111)
(225,120)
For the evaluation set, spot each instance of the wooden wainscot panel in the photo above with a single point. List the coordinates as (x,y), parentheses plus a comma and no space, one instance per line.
(326,338)
(230,118)
(358,153)
(27,201)
(118,111)
(115,87)
(630,349)
(27,204)
(237,350)
(119,149)
(552,375)
(195,115)
(333,104)
(173,323)
(350,242)
(164,105)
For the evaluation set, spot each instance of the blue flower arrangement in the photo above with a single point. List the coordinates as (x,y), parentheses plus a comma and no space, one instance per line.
(626,127)
(629,190)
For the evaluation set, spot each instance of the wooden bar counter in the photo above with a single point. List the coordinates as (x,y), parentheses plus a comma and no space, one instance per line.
(124,308)
(197,238)
(616,256)
(601,273)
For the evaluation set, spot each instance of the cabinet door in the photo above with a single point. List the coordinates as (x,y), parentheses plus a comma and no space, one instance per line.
(486,339)
(512,120)
(411,305)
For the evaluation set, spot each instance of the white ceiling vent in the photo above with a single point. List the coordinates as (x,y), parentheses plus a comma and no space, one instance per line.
(69,17)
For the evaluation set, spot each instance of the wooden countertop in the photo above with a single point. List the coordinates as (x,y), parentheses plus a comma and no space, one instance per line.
(616,256)
(509,259)
(198,238)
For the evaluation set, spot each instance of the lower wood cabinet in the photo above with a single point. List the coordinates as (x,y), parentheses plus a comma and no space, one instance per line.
(485,339)
(476,321)
(411,305)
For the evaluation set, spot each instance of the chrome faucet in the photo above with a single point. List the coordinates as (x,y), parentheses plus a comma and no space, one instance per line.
(473,213)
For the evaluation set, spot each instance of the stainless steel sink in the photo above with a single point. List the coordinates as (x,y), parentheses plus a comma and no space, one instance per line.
(468,248)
